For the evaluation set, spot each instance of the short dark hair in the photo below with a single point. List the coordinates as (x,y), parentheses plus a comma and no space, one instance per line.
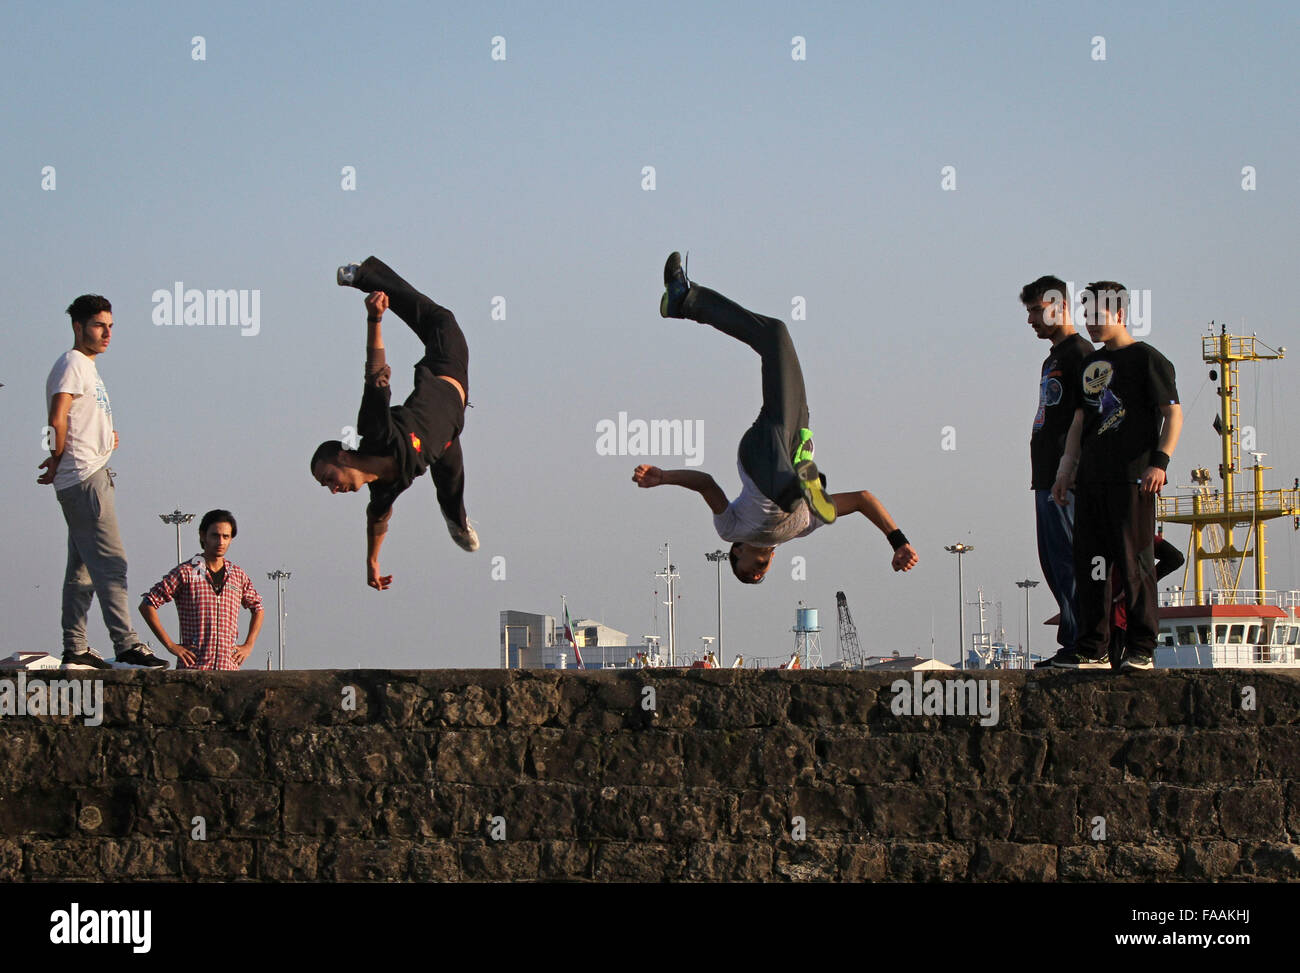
(735,565)
(1109,295)
(218,517)
(86,307)
(326,451)
(1036,291)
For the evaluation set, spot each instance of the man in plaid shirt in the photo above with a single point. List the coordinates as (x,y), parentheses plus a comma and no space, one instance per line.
(208,591)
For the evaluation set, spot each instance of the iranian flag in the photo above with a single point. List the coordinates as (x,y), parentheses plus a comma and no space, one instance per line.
(568,634)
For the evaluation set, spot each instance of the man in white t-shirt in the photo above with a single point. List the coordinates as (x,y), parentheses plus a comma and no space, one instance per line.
(782,494)
(82,422)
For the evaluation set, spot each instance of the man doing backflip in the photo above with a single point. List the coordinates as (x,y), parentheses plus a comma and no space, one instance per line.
(1118,448)
(399,443)
(782,494)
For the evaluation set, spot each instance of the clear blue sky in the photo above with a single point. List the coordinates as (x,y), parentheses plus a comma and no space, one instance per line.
(522,178)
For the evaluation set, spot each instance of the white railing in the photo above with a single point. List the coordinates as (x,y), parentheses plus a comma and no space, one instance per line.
(1279,598)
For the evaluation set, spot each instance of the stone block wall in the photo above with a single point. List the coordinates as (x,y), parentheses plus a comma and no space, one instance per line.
(654,775)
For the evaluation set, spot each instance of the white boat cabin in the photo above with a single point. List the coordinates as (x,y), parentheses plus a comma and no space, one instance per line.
(1231,635)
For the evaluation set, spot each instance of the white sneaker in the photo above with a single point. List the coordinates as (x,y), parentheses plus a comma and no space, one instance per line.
(464,537)
(347,274)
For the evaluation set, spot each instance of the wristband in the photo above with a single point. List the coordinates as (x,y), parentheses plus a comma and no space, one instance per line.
(896,538)
(1160,460)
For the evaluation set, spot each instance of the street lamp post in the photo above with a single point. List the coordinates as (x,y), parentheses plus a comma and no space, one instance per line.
(1027,584)
(280,576)
(959,550)
(177,518)
(717,557)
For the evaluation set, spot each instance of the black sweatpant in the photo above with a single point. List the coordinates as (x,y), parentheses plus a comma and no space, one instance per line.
(1114,522)
(445,353)
(445,349)
(768,447)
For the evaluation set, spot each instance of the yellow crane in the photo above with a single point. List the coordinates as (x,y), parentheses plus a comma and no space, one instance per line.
(1215,516)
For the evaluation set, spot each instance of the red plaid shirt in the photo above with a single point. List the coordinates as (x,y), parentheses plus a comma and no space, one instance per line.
(209,624)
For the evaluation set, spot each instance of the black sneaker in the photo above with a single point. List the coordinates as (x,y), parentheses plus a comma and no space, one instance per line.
(138,657)
(676,287)
(90,659)
(1070,659)
(1137,659)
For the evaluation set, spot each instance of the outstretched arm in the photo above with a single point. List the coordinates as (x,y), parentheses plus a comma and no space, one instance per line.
(864,502)
(376,305)
(646,476)
(375,531)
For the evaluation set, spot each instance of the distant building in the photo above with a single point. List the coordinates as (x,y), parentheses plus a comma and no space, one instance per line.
(31,661)
(527,640)
(532,641)
(906,663)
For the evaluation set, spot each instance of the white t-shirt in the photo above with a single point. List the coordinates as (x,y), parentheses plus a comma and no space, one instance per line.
(90,419)
(755,519)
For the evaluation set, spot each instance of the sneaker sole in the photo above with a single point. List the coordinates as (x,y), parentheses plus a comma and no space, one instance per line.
(822,507)
(1079,665)
(133,665)
(663,306)
(1127,664)
(82,666)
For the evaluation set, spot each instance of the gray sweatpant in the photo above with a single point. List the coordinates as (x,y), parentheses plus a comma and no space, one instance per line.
(96,564)
(767,449)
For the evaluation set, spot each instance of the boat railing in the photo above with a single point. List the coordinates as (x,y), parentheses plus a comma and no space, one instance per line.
(1240,596)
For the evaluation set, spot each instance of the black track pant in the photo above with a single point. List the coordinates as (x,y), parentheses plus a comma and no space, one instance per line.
(767,448)
(1114,533)
(445,353)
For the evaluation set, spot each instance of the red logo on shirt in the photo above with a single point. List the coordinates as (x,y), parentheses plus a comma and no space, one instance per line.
(415,441)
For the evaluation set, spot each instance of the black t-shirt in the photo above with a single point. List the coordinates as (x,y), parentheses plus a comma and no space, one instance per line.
(1122,392)
(414,433)
(1058,397)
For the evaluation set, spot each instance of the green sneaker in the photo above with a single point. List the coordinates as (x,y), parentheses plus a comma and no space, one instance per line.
(814,491)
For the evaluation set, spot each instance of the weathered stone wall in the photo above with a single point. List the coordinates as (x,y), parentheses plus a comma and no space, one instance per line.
(377,775)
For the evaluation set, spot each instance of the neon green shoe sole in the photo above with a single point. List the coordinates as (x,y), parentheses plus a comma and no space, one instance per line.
(819,502)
